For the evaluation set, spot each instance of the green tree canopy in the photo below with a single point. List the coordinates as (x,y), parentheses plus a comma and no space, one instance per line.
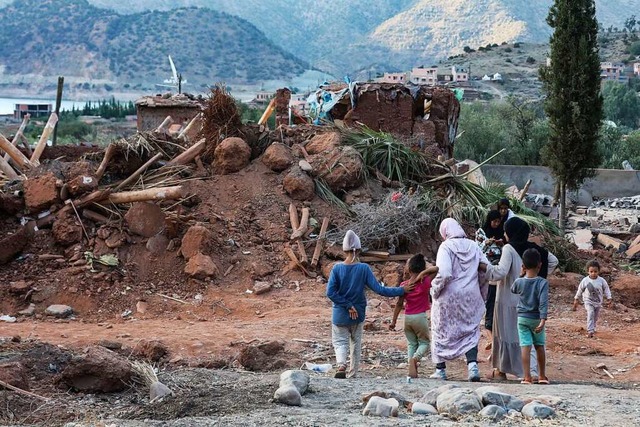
(621,104)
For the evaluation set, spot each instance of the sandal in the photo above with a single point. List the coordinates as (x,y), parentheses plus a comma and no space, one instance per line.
(525,382)
(544,381)
(341,372)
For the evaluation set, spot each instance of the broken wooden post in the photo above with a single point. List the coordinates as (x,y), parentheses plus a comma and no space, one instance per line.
(607,241)
(304,259)
(188,155)
(94,216)
(6,169)
(48,128)
(292,256)
(304,224)
(16,155)
(139,172)
(160,193)
(19,135)
(108,154)
(54,140)
(192,129)
(293,217)
(524,190)
(320,242)
(168,121)
(267,113)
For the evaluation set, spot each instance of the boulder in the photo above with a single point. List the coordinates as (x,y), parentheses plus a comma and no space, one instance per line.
(263,357)
(493,412)
(381,407)
(157,244)
(277,157)
(423,409)
(15,374)
(151,350)
(145,219)
(97,370)
(201,266)
(13,244)
(536,409)
(323,143)
(431,397)
(391,394)
(231,155)
(293,384)
(82,184)
(493,396)
(196,240)
(299,185)
(59,310)
(40,192)
(342,168)
(459,401)
(548,400)
(19,287)
(67,230)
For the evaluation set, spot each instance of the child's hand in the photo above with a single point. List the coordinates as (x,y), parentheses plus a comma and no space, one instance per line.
(353,313)
(392,326)
(523,271)
(540,326)
(408,287)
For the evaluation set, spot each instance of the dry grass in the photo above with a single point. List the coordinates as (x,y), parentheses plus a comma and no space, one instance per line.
(222,119)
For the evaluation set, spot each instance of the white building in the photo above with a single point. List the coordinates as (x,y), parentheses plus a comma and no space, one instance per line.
(424,76)
(459,74)
(393,78)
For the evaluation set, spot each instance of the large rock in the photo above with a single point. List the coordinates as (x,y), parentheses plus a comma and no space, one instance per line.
(493,412)
(13,244)
(277,157)
(381,407)
(201,266)
(67,230)
(490,395)
(459,401)
(299,185)
(146,219)
(423,409)
(40,192)
(59,310)
(323,143)
(263,357)
(431,397)
(15,374)
(97,370)
(196,240)
(231,155)
(342,168)
(536,409)
(293,384)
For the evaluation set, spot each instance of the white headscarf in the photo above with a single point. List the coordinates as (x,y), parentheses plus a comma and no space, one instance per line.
(450,229)
(351,242)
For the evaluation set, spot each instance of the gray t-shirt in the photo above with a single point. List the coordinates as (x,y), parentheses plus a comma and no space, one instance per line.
(593,290)
(534,297)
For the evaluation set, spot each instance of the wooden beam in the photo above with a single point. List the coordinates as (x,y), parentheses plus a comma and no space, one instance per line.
(320,242)
(293,217)
(19,135)
(304,224)
(168,121)
(189,154)
(391,258)
(108,154)
(161,193)
(134,176)
(192,129)
(42,143)
(6,169)
(607,241)
(267,112)
(524,190)
(16,155)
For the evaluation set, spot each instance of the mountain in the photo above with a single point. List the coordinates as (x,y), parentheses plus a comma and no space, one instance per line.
(342,36)
(95,46)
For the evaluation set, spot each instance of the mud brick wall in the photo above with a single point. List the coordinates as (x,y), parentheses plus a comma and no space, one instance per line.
(386,109)
(283,96)
(149,118)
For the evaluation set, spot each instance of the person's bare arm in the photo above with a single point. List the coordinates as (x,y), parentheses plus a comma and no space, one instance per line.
(396,313)
(429,271)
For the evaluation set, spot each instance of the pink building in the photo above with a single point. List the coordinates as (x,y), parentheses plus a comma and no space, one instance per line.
(611,71)
(459,74)
(393,78)
(636,69)
(424,76)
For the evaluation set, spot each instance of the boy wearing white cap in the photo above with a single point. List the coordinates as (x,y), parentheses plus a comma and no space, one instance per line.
(346,288)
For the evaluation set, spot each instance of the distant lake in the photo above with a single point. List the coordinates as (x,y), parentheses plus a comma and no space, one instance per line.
(7,105)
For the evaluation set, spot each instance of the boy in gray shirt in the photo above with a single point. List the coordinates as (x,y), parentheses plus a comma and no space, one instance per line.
(592,289)
(532,313)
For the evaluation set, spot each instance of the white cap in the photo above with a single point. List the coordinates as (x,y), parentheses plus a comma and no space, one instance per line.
(351,242)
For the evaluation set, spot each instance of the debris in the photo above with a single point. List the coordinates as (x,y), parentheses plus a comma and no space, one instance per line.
(7,318)
(172,298)
(108,260)
(23,392)
(317,252)
(261,287)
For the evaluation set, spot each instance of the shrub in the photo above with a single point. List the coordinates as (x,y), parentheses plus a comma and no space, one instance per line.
(508,50)
(531,60)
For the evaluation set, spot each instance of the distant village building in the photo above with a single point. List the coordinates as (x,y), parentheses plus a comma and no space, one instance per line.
(636,69)
(486,78)
(497,77)
(459,74)
(263,97)
(393,78)
(424,76)
(610,71)
(35,110)
(152,110)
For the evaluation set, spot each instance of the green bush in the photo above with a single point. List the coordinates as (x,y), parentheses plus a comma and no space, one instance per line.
(634,48)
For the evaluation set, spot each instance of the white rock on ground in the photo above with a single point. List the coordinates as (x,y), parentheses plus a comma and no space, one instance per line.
(459,401)
(536,409)
(59,310)
(431,396)
(423,409)
(381,407)
(493,396)
(493,412)
(293,384)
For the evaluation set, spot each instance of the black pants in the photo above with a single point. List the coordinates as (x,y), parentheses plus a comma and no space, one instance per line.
(490,304)
(471,355)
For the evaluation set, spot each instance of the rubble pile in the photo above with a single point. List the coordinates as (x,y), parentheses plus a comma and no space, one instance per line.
(619,203)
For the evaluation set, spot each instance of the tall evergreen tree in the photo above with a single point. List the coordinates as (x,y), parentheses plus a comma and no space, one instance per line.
(572,86)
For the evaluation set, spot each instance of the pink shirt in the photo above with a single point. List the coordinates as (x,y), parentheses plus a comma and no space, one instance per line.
(417,301)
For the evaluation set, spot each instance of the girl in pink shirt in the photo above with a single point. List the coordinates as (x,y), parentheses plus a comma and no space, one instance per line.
(416,323)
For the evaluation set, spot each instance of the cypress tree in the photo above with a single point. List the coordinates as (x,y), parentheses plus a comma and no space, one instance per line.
(572,85)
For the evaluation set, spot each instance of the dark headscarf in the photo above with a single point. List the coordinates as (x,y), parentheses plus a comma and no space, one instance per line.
(490,232)
(517,230)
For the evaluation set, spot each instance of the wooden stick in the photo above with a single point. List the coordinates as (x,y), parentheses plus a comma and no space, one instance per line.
(80,220)
(403,257)
(267,113)
(292,256)
(377,254)
(23,392)
(189,154)
(94,216)
(134,176)
(320,242)
(108,154)
(195,124)
(15,154)
(524,190)
(293,217)
(304,260)
(48,128)
(19,135)
(171,298)
(6,168)
(306,155)
(228,270)
(304,224)
(608,373)
(168,121)
(47,257)
(160,193)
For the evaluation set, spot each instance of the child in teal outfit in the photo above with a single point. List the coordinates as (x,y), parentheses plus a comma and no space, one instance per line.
(532,313)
